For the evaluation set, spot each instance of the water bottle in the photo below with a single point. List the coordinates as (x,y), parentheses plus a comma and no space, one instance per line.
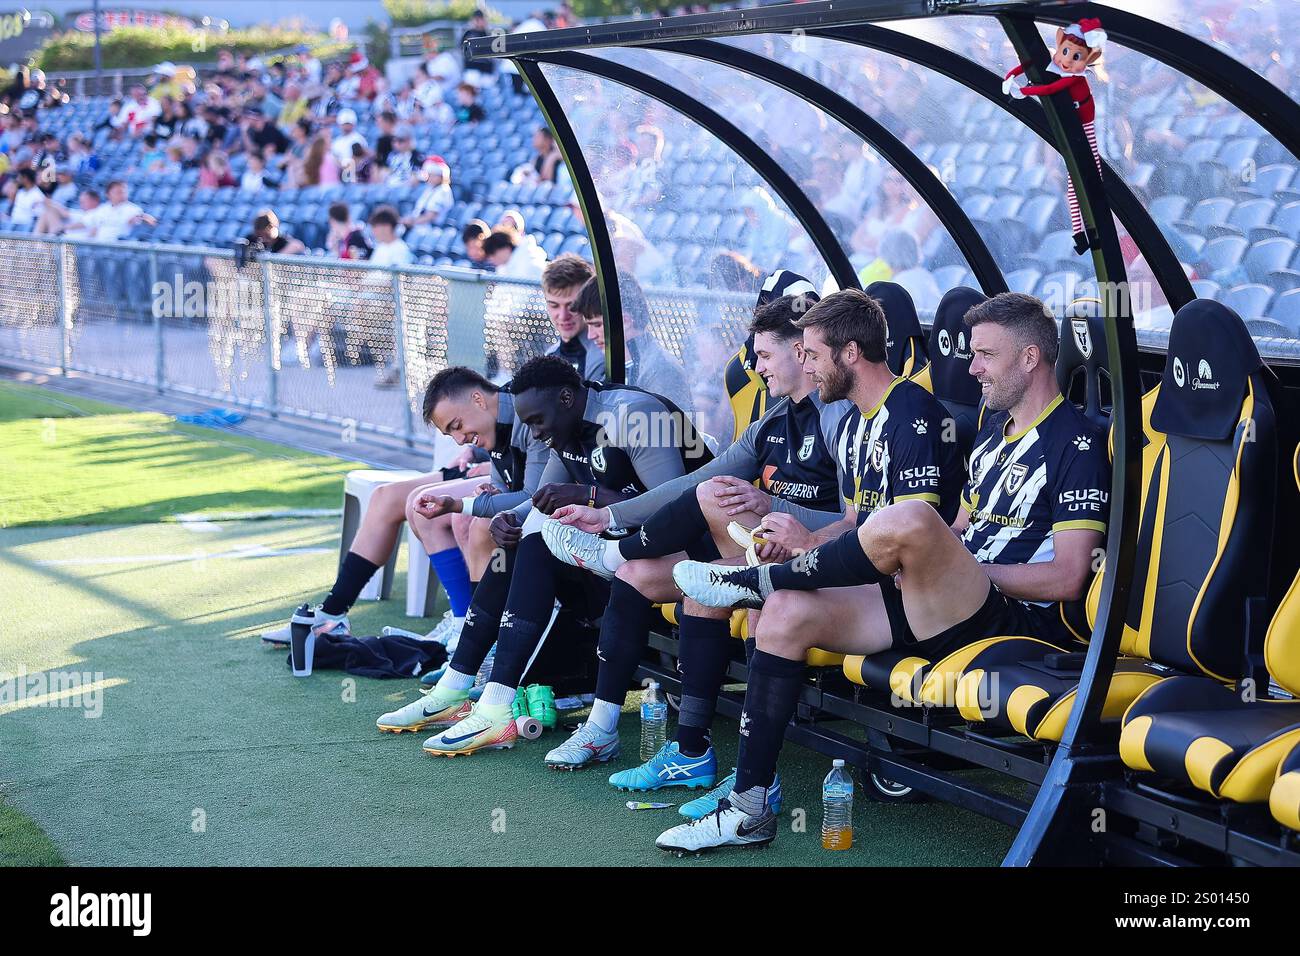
(485,669)
(837,809)
(654,721)
(302,641)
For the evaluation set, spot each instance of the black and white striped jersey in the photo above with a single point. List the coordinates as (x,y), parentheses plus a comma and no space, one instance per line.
(899,450)
(1023,488)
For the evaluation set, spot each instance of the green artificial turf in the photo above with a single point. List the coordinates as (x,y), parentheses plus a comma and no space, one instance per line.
(192,743)
(68,460)
(21,841)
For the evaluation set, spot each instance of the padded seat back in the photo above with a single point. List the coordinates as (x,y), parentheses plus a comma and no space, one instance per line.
(1206,508)
(1082,366)
(904,343)
(950,355)
(1282,645)
(746,389)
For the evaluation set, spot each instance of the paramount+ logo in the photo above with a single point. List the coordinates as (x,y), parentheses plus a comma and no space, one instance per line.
(1203,380)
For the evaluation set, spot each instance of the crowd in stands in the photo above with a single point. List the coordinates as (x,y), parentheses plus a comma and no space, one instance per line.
(459,152)
(218,156)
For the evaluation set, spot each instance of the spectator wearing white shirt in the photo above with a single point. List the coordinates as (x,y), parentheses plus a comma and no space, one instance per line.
(56,220)
(254,176)
(389,249)
(513,258)
(432,97)
(28,200)
(435,199)
(900,252)
(119,215)
(65,190)
(445,69)
(138,113)
(341,146)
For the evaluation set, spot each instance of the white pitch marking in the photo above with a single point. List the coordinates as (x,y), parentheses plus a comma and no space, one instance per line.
(241,553)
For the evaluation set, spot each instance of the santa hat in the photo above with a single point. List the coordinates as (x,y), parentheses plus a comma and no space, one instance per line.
(1089,32)
(357,62)
(435,164)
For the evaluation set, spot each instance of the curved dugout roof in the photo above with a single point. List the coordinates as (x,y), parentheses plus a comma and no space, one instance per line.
(843,137)
(1198,123)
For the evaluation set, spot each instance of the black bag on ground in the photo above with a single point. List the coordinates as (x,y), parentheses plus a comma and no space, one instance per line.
(376,656)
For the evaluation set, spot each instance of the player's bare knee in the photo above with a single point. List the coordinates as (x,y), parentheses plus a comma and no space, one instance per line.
(889,533)
(789,614)
(639,574)
(388,503)
(775,636)
(709,503)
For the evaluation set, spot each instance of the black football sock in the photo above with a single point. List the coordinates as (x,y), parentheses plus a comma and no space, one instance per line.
(527,612)
(483,618)
(703,653)
(837,564)
(674,527)
(354,573)
(770,700)
(624,632)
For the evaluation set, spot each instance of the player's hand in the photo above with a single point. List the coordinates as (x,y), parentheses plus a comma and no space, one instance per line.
(779,528)
(506,530)
(770,552)
(553,496)
(592,520)
(736,497)
(433,505)
(487,488)
(463,459)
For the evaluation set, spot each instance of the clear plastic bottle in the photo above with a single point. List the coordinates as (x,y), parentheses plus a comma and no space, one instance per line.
(654,721)
(837,808)
(485,669)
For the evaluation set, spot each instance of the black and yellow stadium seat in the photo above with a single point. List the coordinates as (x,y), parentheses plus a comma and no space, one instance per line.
(1082,371)
(814,657)
(905,343)
(1228,740)
(1284,796)
(950,355)
(746,389)
(1204,530)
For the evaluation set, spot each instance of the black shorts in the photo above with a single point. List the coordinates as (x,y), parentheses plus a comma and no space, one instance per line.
(998,616)
(579,591)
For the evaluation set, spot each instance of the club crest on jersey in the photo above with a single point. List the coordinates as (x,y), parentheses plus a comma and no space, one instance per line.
(598,463)
(1016,475)
(1082,337)
(806,449)
(878,455)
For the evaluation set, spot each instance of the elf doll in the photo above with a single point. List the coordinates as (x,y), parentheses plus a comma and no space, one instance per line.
(1078,47)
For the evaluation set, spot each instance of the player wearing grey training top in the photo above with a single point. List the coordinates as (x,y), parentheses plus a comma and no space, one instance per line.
(787,452)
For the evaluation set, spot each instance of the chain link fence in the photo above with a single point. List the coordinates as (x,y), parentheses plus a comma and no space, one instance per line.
(333,342)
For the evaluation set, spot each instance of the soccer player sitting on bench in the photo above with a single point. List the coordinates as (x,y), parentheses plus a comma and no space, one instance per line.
(462,404)
(608,441)
(1033,512)
(788,452)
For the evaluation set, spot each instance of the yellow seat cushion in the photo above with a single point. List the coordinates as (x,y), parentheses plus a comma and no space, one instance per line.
(816,657)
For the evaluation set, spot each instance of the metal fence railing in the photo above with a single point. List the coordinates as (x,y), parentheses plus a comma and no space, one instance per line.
(334,342)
